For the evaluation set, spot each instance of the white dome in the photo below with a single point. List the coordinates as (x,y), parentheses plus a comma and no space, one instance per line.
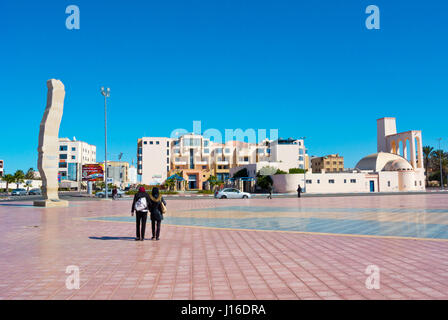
(397,165)
(383,161)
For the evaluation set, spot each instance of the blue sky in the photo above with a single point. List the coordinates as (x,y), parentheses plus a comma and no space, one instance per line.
(306,68)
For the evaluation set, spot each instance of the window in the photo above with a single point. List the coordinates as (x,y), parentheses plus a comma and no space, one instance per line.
(205,143)
(345,180)
(139,150)
(268,151)
(151,142)
(167,144)
(415,183)
(261,151)
(63,156)
(176,150)
(62,148)
(227,150)
(73,157)
(157,142)
(204,167)
(420,182)
(168,160)
(246,158)
(309,181)
(300,158)
(145,142)
(331,181)
(352,180)
(300,151)
(167,168)
(167,152)
(62,164)
(388,183)
(318,181)
(73,149)
(206,150)
(218,150)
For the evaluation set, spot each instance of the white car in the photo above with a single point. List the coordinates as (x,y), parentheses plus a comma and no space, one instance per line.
(231,193)
(102,193)
(19,192)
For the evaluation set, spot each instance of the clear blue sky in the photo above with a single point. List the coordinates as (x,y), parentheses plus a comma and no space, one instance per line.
(307,68)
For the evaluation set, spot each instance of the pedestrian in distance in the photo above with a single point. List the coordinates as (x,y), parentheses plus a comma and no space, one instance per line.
(114,193)
(299,191)
(270,189)
(157,207)
(140,205)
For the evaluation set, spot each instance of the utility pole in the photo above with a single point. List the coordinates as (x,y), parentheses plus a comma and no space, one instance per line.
(106,94)
(440,158)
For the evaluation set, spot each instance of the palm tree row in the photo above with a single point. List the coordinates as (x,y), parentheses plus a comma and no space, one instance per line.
(18,177)
(432,159)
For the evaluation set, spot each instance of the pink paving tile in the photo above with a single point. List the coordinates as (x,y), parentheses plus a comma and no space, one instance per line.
(204,263)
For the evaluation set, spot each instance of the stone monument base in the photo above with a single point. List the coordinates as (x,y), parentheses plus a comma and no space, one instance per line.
(50,203)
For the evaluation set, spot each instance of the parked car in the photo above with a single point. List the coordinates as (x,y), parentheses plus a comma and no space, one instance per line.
(231,193)
(102,193)
(18,192)
(35,192)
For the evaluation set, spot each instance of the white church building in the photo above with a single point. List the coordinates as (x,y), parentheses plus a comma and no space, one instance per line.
(397,166)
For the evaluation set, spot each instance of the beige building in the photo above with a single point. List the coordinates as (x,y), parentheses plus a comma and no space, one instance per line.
(117,172)
(196,157)
(329,163)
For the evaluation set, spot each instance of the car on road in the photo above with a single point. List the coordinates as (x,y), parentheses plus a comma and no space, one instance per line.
(19,192)
(35,192)
(231,193)
(102,193)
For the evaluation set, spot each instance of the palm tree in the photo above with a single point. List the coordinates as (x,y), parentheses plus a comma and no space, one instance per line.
(8,178)
(19,177)
(170,183)
(427,153)
(28,184)
(30,174)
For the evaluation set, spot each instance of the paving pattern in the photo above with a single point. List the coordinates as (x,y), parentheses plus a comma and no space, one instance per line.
(309,248)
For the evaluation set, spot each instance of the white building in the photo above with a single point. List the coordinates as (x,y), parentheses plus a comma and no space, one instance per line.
(132,174)
(72,155)
(391,169)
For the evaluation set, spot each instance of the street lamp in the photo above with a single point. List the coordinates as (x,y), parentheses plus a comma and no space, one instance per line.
(440,158)
(106,94)
(304,164)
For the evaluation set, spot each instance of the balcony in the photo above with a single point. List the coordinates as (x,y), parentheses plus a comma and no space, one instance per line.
(222,162)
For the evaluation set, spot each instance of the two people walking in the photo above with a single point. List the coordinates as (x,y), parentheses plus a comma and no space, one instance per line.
(155,204)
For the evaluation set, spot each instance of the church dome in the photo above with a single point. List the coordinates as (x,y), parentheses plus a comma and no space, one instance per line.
(383,161)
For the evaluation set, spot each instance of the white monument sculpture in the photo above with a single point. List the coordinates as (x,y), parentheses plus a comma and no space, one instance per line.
(48,145)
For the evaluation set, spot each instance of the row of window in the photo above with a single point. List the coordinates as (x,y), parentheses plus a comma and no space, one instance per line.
(330,181)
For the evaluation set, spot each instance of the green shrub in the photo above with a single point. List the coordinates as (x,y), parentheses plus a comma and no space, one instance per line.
(296,170)
(205,191)
(280,172)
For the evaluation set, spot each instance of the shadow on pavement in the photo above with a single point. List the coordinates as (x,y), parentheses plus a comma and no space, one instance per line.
(113,238)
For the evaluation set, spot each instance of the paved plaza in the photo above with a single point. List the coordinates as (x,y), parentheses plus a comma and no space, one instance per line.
(284,248)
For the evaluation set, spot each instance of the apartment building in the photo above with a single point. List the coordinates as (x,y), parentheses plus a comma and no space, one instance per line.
(117,172)
(1,168)
(196,157)
(329,163)
(72,155)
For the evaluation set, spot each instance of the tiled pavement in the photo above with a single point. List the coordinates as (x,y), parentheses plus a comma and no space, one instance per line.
(202,258)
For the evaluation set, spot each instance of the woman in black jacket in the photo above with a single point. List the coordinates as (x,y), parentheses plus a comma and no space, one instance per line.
(156,212)
(141,205)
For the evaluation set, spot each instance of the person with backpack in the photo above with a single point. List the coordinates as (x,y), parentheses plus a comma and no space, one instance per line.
(141,206)
(157,207)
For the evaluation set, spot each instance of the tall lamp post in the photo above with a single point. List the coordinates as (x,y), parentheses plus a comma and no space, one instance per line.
(304,164)
(440,158)
(106,94)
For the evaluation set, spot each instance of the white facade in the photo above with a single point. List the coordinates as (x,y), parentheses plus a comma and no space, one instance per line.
(72,155)
(153,159)
(132,175)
